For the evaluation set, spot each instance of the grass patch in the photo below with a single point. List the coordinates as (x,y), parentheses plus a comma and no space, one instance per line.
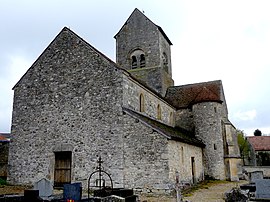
(201,185)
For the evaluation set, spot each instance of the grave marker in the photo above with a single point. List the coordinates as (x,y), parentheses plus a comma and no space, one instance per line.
(73,191)
(44,187)
(262,189)
(256,175)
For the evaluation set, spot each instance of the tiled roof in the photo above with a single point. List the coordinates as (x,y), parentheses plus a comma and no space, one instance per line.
(4,137)
(178,134)
(187,95)
(260,143)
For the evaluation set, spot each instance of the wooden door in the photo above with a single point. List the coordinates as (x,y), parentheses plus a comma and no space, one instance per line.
(62,170)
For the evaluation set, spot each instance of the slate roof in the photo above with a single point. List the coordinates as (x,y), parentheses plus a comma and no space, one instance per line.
(173,133)
(186,95)
(260,143)
(159,28)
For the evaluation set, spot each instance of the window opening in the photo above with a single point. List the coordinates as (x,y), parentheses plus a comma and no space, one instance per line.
(158,112)
(165,62)
(141,103)
(142,60)
(134,62)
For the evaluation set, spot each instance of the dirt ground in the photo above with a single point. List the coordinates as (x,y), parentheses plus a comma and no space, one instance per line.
(209,193)
(6,189)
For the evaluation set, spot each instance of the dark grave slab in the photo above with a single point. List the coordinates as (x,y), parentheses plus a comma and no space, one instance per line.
(31,195)
(262,189)
(73,192)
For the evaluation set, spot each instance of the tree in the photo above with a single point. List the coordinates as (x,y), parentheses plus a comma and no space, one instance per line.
(243,145)
(257,132)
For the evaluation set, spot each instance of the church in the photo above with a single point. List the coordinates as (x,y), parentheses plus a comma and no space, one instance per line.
(74,105)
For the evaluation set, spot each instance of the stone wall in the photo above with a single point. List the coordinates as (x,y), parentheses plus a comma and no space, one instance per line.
(131,99)
(208,128)
(180,161)
(70,99)
(184,119)
(265,169)
(145,158)
(139,33)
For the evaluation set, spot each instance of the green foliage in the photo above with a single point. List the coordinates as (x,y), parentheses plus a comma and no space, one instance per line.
(243,145)
(257,132)
(263,159)
(3,182)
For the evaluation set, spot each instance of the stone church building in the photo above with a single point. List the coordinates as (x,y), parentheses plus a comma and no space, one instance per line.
(74,104)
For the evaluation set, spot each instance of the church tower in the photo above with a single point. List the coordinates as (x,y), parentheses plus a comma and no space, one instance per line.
(143,49)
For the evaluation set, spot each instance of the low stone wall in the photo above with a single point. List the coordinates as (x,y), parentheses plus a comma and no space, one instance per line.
(265,169)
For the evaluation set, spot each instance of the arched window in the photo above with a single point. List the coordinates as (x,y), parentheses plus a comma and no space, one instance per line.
(134,62)
(158,112)
(142,60)
(141,107)
(137,58)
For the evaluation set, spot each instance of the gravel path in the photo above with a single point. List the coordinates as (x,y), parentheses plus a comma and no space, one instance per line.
(214,193)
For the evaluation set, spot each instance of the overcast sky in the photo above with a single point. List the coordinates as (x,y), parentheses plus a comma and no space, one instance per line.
(227,40)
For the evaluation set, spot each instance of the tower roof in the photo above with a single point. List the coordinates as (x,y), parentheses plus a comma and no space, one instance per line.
(138,12)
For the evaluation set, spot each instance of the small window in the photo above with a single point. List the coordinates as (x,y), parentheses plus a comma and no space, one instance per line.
(171,118)
(165,62)
(215,109)
(134,62)
(141,103)
(182,153)
(215,147)
(142,61)
(137,59)
(158,112)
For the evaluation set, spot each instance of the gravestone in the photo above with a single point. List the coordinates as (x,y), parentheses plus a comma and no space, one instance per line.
(262,189)
(73,191)
(44,187)
(30,195)
(256,175)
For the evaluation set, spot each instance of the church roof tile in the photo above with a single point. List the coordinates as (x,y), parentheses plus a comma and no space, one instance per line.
(187,95)
(260,143)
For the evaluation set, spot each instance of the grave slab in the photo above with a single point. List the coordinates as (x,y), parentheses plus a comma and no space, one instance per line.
(262,189)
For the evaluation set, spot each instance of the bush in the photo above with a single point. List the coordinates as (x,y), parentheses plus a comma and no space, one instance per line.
(3,182)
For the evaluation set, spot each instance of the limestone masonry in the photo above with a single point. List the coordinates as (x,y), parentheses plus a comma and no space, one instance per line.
(74,105)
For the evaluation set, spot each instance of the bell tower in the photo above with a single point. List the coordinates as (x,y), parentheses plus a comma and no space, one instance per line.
(143,49)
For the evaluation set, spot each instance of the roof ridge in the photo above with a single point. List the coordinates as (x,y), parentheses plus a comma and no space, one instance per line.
(66,29)
(159,28)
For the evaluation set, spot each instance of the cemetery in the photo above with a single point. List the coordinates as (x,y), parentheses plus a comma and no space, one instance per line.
(258,189)
(100,189)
